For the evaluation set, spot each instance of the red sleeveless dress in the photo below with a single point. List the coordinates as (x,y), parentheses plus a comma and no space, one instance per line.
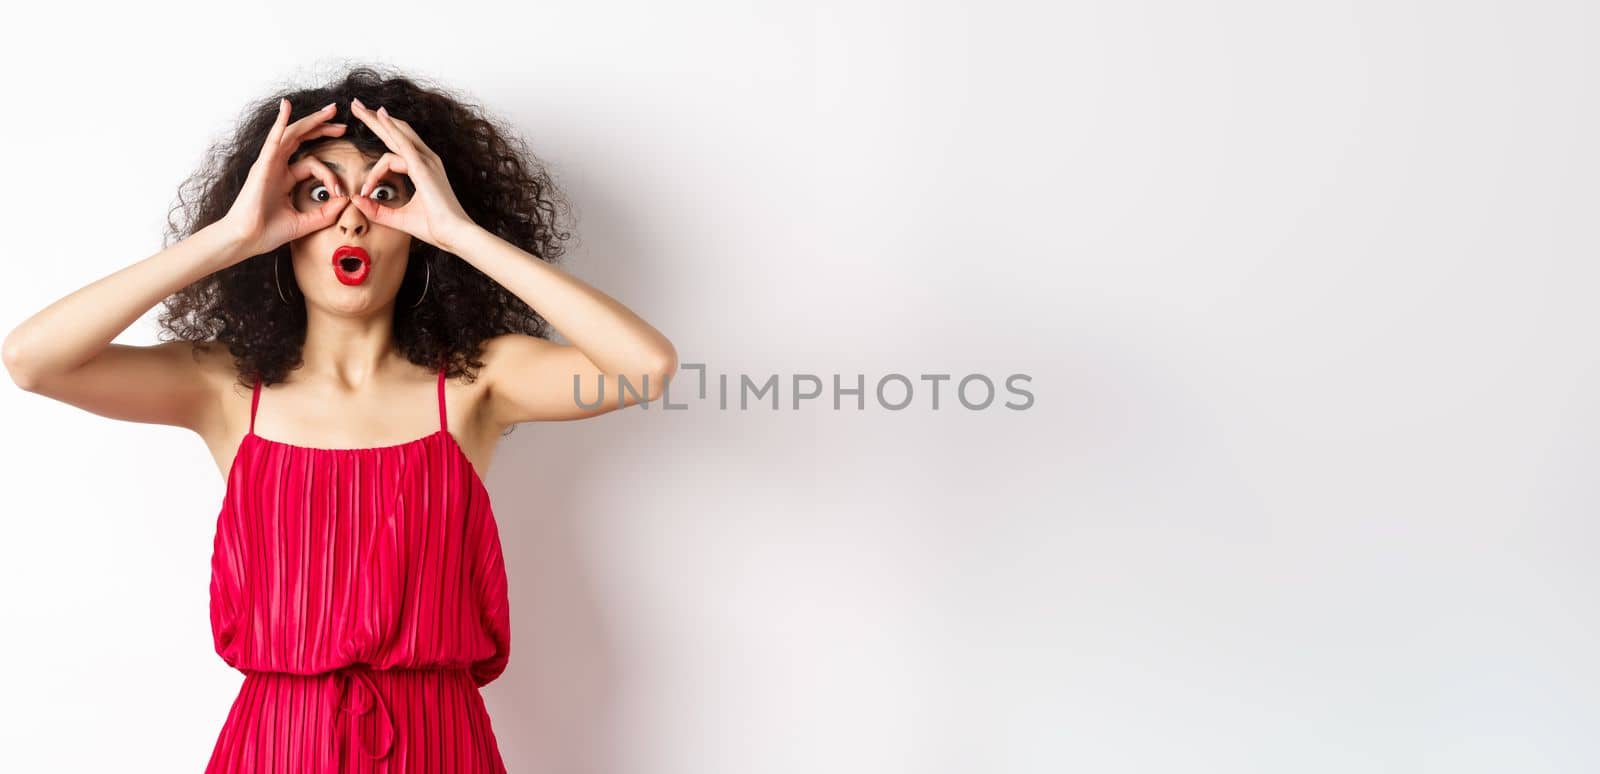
(362,593)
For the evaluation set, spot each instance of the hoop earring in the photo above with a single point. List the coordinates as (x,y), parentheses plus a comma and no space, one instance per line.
(275,281)
(427,278)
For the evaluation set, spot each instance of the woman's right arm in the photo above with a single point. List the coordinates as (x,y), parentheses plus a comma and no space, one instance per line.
(64,351)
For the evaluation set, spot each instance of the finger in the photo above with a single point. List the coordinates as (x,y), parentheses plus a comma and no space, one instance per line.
(391,136)
(324,130)
(411,134)
(311,165)
(388,163)
(296,132)
(278,123)
(319,218)
(330,209)
(377,213)
(271,142)
(300,131)
(373,122)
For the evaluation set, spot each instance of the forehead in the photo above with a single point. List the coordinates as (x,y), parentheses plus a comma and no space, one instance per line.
(340,155)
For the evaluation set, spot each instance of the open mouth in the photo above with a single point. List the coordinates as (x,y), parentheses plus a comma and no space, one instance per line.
(351,264)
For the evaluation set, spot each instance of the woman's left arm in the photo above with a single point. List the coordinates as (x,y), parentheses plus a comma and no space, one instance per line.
(528,378)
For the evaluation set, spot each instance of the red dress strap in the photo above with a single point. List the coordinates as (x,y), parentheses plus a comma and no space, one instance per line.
(255,398)
(444,424)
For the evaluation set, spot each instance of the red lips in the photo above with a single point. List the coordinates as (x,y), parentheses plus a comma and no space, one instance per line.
(351,264)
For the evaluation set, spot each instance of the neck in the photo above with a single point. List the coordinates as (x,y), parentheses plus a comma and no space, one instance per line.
(347,350)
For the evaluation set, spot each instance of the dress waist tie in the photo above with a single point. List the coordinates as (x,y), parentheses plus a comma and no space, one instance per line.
(357,679)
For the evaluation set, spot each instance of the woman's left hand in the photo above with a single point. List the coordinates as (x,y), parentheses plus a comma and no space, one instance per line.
(434,214)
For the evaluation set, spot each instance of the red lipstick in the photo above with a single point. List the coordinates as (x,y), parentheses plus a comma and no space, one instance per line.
(351,264)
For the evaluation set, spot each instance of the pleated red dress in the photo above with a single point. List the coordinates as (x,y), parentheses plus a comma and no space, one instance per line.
(362,592)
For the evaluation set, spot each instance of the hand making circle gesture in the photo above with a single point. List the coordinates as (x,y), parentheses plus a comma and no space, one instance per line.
(434,214)
(263,215)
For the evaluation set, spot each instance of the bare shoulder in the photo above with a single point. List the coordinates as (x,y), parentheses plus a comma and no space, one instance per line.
(216,366)
(529,379)
(228,410)
(511,356)
(213,357)
(508,357)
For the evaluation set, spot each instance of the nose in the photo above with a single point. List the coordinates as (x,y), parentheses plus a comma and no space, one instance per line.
(351,222)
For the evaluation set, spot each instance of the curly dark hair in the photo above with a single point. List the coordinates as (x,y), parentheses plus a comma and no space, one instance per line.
(501,185)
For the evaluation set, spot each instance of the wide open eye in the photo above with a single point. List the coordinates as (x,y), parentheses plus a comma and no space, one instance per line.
(393,192)
(319,193)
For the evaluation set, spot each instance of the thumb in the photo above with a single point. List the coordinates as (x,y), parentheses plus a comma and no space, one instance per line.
(329,211)
(321,217)
(383,216)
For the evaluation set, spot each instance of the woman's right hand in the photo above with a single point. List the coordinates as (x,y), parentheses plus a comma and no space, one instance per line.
(264,215)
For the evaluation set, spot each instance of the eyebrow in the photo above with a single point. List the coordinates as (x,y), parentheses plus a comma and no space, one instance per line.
(335,167)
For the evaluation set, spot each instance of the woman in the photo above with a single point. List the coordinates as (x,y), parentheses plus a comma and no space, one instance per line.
(353,303)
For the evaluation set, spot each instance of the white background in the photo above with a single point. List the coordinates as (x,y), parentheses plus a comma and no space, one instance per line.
(1305,291)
